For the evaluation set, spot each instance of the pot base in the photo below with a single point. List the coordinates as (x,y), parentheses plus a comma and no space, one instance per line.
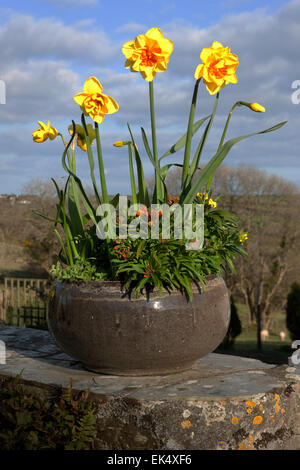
(139,372)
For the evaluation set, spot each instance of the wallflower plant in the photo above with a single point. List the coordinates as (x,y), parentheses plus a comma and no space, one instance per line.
(145,262)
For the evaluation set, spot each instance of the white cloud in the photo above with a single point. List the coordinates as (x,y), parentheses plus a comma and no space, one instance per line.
(40,68)
(27,38)
(36,90)
(131,28)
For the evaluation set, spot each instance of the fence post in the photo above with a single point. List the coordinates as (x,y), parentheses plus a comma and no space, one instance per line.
(2,306)
(22,295)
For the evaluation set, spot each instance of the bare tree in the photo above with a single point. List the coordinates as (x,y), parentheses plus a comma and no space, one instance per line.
(267,207)
(43,188)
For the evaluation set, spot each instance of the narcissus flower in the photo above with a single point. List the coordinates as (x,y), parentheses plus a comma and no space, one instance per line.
(81,142)
(257,107)
(93,102)
(148,53)
(218,68)
(44,132)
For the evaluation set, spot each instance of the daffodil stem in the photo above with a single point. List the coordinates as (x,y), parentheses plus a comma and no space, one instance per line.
(73,195)
(154,142)
(102,178)
(68,153)
(73,161)
(132,179)
(90,158)
(201,145)
(101,165)
(188,143)
(226,125)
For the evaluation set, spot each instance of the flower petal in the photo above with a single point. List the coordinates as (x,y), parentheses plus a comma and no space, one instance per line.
(98,118)
(205,53)
(42,125)
(81,143)
(140,41)
(155,33)
(92,85)
(52,133)
(128,49)
(231,79)
(212,88)
(79,98)
(217,45)
(39,136)
(111,105)
(199,71)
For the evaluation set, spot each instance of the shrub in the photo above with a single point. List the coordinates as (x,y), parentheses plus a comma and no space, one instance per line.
(293,311)
(33,421)
(235,327)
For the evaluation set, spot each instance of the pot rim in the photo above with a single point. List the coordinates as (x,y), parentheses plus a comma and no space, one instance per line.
(79,282)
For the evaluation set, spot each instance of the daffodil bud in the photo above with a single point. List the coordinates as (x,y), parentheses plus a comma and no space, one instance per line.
(121,143)
(257,107)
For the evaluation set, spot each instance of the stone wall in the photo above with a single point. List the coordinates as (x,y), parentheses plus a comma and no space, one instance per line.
(223,403)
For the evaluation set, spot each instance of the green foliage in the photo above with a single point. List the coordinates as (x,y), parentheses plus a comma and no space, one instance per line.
(164,264)
(79,271)
(293,311)
(30,421)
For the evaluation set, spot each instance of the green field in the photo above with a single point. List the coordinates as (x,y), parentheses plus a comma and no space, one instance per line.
(273,350)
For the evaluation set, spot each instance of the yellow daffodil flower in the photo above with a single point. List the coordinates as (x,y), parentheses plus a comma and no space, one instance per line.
(257,107)
(212,203)
(81,142)
(148,53)
(218,68)
(44,132)
(93,102)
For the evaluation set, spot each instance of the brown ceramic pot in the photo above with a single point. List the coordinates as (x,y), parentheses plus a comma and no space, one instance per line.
(109,333)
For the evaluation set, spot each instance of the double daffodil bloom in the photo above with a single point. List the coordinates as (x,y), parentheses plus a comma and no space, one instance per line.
(93,102)
(148,53)
(81,142)
(44,132)
(218,68)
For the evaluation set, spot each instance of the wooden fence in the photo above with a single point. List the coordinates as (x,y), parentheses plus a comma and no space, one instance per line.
(24,302)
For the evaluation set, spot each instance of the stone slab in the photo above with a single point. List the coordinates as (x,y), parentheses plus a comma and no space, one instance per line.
(223,402)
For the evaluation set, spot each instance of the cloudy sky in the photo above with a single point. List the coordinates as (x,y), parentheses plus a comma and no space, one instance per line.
(50,47)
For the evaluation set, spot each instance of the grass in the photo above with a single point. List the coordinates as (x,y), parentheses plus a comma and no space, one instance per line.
(273,350)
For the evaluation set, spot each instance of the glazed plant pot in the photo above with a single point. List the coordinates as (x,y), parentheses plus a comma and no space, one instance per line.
(97,324)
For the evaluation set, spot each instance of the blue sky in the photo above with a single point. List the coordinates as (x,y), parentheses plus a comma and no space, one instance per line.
(52,46)
(110,16)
